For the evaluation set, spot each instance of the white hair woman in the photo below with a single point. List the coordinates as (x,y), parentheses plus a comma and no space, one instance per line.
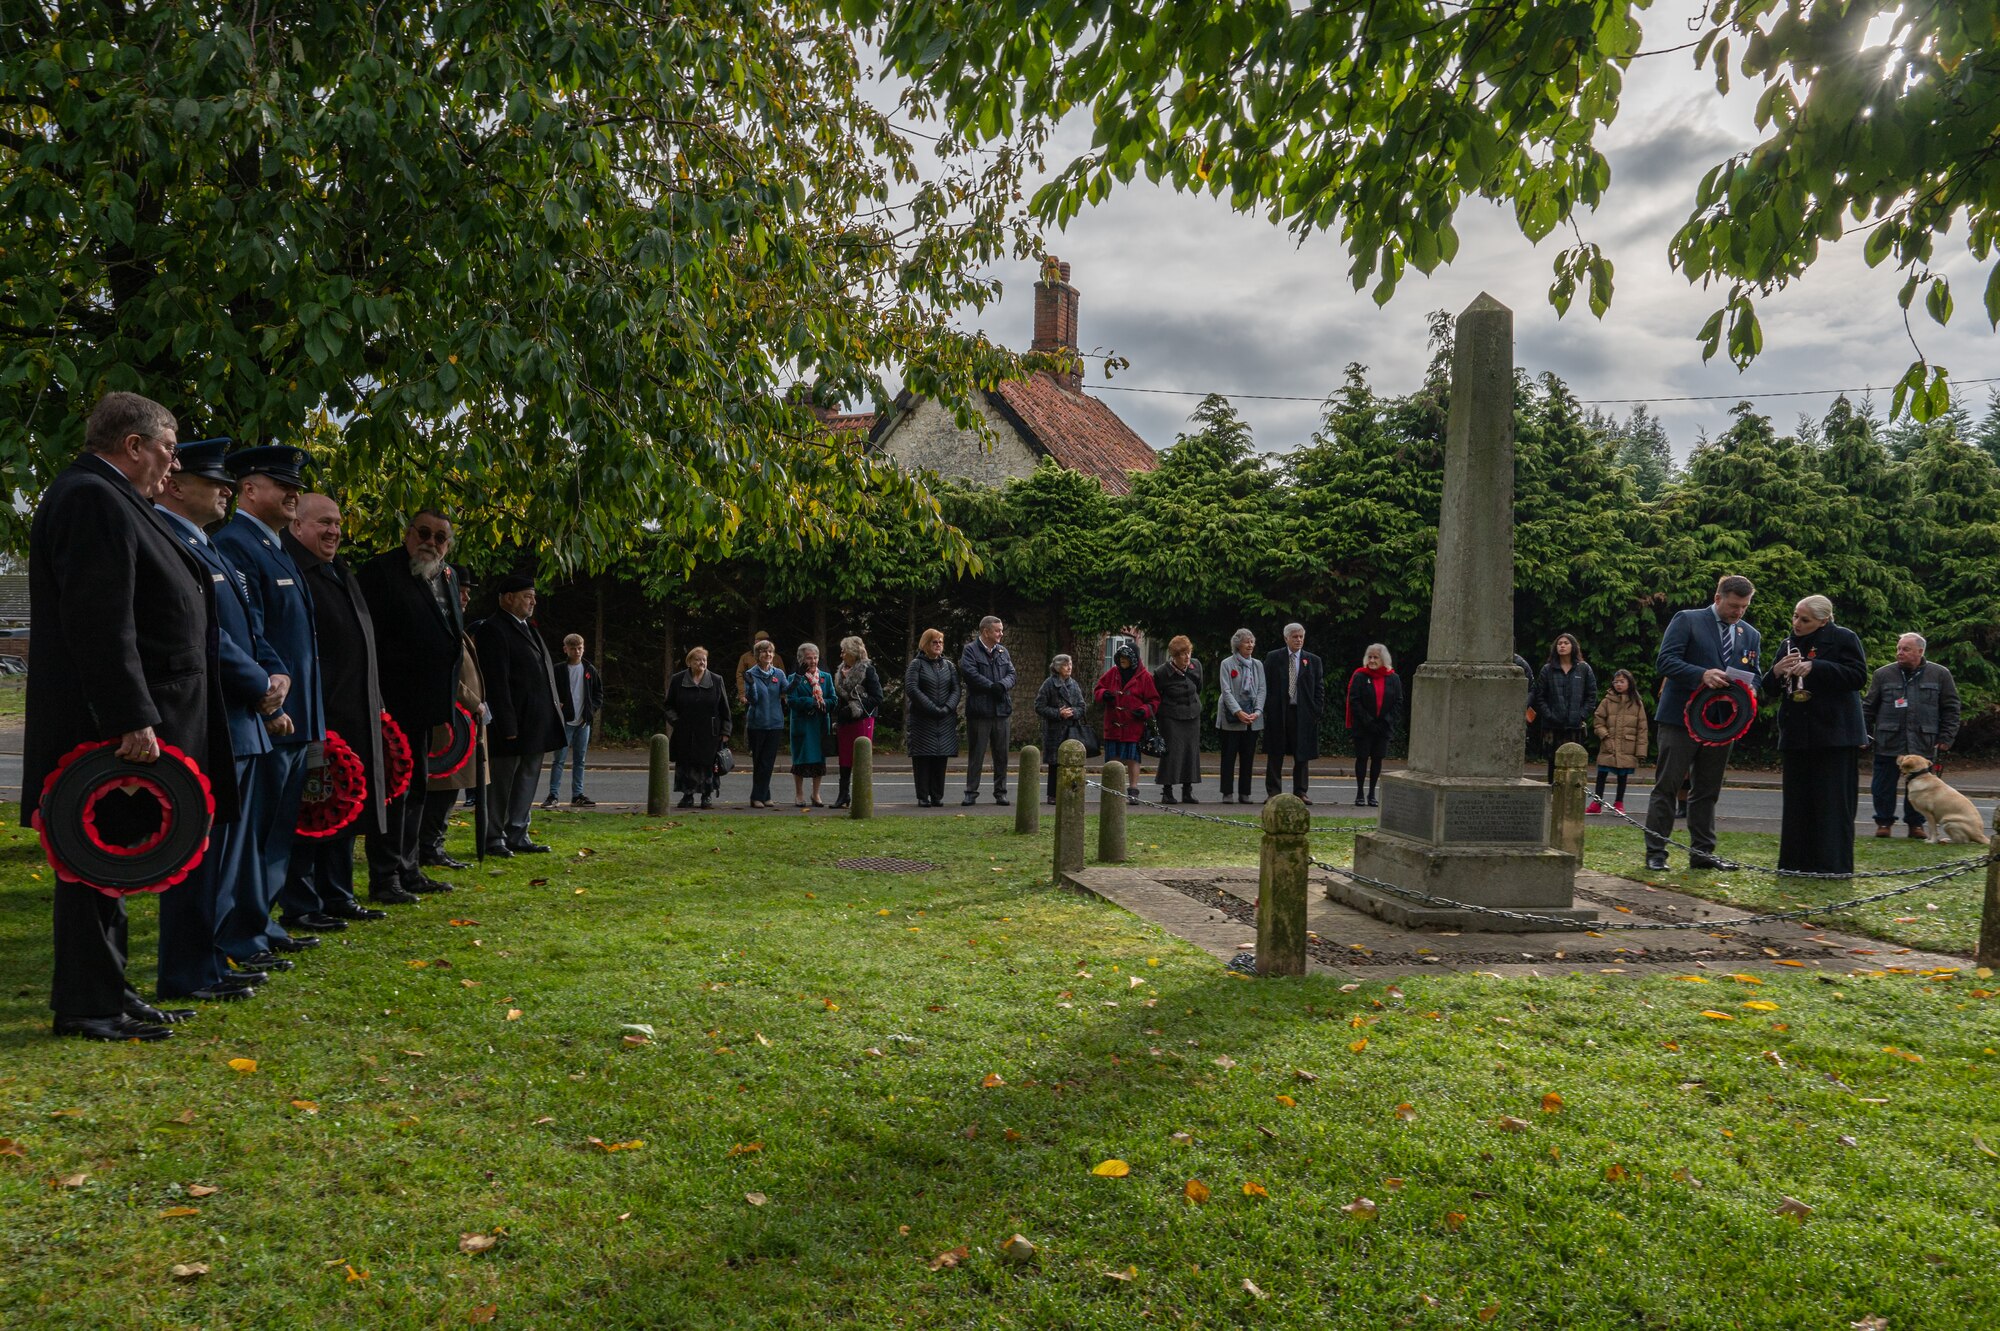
(1374,705)
(1821,729)
(1059,702)
(698,708)
(857,690)
(1239,713)
(809,703)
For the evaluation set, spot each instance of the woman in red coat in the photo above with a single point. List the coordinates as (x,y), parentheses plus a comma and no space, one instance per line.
(1130,699)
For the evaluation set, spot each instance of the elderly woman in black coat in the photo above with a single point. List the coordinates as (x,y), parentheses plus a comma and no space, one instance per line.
(930,717)
(1821,729)
(1179,681)
(698,707)
(1059,702)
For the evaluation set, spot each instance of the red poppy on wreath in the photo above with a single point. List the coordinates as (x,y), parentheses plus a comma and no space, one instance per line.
(335,793)
(146,839)
(396,757)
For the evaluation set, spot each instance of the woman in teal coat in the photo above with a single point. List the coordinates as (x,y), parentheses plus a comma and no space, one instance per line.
(809,709)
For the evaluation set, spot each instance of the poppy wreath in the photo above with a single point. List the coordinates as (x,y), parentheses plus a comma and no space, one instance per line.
(450,760)
(396,757)
(335,797)
(1720,715)
(81,849)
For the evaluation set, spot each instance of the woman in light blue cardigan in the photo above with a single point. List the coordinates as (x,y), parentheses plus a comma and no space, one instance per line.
(1239,713)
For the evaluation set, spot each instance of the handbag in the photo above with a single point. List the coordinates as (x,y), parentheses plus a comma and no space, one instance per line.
(1077,730)
(725,761)
(1155,744)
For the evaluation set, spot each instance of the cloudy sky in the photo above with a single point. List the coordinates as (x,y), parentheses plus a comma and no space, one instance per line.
(1199,297)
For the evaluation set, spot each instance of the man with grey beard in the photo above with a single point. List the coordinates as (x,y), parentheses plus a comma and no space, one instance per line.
(412,595)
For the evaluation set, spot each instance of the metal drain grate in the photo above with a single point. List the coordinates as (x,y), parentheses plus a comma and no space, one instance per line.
(886,864)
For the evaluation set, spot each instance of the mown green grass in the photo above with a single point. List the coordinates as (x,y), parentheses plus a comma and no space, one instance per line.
(882,1002)
(1944,916)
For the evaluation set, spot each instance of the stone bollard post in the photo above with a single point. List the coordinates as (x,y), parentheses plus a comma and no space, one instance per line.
(1989,915)
(1028,792)
(861,780)
(659,778)
(1566,805)
(1111,805)
(1282,866)
(1069,808)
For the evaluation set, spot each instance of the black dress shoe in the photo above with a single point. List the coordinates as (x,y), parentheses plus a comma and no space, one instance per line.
(120,1027)
(527,848)
(138,1009)
(294,944)
(263,962)
(971,797)
(1000,798)
(1305,799)
(244,979)
(497,852)
(354,910)
(392,896)
(437,859)
(1374,803)
(223,991)
(425,885)
(1697,860)
(686,802)
(318,921)
(1657,863)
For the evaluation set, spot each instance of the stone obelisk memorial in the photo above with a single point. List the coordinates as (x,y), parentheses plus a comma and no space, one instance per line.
(1461,822)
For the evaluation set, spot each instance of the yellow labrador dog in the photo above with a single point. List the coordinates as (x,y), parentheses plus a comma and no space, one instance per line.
(1951,815)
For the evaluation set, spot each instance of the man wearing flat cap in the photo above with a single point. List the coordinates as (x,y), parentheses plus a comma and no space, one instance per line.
(527,714)
(192,964)
(269,481)
(412,596)
(123,620)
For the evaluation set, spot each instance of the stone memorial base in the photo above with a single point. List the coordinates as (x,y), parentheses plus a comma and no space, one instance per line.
(1481,840)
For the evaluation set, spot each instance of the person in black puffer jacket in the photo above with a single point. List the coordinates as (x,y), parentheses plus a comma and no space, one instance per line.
(1564,697)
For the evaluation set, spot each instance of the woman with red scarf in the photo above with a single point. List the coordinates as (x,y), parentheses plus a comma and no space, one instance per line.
(1374,704)
(1130,699)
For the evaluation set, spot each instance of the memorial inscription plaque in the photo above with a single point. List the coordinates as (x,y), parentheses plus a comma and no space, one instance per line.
(1407,810)
(1496,815)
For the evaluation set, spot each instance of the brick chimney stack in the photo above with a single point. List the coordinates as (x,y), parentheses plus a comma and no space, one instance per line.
(1055,317)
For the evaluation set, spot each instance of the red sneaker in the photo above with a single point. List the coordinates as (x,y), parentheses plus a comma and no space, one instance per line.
(1595,806)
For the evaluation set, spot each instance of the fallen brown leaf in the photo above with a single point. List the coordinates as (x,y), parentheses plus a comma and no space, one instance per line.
(477,1243)
(745,1148)
(188,1270)
(1406,1111)
(178,1212)
(69,1181)
(1252,1188)
(1552,1103)
(944,1261)
(1454,1220)
(755,1198)
(1251,1289)
(1195,1191)
(483,1314)
(1362,1208)
(1018,1250)
(201,1190)
(1508,1123)
(1793,1207)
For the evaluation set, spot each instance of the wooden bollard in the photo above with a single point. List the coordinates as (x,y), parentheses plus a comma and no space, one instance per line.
(1989,915)
(1111,806)
(1027,792)
(1282,866)
(1069,808)
(1566,811)
(861,780)
(659,778)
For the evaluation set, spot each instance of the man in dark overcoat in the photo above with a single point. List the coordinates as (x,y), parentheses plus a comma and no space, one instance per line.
(522,693)
(322,872)
(269,481)
(125,651)
(412,596)
(1296,680)
(192,964)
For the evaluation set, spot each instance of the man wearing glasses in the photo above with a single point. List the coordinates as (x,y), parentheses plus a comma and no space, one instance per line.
(412,594)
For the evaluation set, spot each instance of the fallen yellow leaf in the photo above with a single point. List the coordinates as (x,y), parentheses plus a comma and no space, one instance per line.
(1552,1103)
(243,1064)
(1195,1191)
(991,1080)
(1713,1015)
(1761,1005)
(745,1148)
(1454,1221)
(1252,1188)
(306,1105)
(1111,1169)
(176,1212)
(1406,1111)
(1287,1102)
(1358,1045)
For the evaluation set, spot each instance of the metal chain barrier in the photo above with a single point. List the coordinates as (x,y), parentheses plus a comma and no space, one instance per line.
(1741,866)
(1181,812)
(1584,926)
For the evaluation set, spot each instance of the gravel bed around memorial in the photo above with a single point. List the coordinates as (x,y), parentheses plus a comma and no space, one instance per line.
(1331,954)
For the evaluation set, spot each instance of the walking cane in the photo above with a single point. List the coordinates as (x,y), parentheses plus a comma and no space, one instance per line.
(479,789)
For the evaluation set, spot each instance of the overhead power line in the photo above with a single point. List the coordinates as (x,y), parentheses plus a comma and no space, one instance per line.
(1582,401)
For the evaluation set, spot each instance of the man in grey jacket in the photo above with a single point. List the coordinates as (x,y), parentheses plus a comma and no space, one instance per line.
(1912,707)
(1239,713)
(989,705)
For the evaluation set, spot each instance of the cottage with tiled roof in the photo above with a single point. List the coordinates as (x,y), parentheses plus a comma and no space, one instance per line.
(1044,416)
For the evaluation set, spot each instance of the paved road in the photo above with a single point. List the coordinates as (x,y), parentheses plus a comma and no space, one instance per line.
(620,789)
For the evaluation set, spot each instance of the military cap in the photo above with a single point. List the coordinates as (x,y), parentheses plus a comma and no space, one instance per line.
(203,458)
(513,582)
(281,462)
